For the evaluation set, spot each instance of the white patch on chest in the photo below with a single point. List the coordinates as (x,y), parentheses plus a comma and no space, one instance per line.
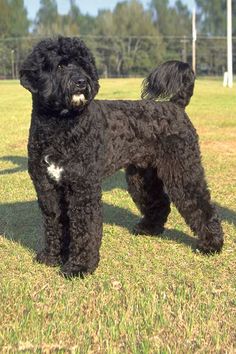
(53,170)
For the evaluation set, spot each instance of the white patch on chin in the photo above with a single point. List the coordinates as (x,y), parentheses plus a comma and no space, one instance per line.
(78,99)
(53,170)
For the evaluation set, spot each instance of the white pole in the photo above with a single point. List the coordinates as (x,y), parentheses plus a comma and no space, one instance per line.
(229,44)
(12,64)
(194,36)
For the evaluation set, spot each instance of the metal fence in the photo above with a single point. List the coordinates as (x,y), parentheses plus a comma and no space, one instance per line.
(129,56)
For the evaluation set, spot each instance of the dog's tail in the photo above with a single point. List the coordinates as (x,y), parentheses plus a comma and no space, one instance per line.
(171,81)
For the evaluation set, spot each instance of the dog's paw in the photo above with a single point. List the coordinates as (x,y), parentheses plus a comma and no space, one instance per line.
(70,270)
(48,259)
(145,228)
(74,269)
(210,247)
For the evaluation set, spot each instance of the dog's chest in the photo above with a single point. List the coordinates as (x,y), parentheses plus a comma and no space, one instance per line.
(67,154)
(64,151)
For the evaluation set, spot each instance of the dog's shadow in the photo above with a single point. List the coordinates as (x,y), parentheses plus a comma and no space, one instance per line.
(19,162)
(21,221)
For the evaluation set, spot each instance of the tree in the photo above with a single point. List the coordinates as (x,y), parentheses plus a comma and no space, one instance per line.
(125,50)
(13,24)
(171,21)
(46,22)
(13,18)
(182,18)
(212,17)
(19,20)
(79,23)
(161,16)
(174,23)
(50,22)
(4,18)
(74,11)
(212,54)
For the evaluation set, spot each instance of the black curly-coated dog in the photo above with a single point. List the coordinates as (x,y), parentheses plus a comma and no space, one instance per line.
(76,141)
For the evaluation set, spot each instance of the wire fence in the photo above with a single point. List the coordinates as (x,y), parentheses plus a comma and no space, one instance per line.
(129,56)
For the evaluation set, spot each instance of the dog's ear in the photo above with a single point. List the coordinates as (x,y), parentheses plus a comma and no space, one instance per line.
(26,80)
(28,75)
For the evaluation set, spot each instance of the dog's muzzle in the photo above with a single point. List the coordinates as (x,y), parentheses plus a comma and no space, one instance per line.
(82,90)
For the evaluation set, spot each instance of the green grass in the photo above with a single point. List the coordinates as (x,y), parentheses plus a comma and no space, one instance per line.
(149,295)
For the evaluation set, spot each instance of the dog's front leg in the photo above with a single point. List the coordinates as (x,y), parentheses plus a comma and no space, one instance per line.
(50,198)
(85,220)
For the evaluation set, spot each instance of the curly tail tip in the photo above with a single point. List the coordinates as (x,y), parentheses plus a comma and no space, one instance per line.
(171,81)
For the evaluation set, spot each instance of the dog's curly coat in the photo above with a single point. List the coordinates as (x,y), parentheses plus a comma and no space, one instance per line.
(76,141)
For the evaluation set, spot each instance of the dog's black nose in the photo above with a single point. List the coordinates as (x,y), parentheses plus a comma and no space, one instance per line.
(80,82)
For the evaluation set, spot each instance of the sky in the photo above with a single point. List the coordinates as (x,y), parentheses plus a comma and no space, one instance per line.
(87,6)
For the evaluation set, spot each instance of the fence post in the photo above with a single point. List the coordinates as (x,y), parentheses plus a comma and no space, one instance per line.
(194,36)
(13,64)
(229,44)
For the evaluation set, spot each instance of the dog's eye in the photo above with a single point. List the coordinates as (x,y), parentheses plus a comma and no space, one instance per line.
(59,67)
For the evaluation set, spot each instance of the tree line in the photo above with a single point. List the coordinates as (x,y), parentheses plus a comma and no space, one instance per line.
(127,41)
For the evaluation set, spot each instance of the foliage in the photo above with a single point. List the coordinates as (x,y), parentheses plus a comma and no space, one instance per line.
(212,17)
(13,19)
(13,24)
(125,51)
(171,20)
(127,41)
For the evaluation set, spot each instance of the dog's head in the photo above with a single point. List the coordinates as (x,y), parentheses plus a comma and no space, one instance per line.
(61,74)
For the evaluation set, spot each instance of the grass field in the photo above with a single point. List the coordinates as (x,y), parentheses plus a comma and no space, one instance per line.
(149,294)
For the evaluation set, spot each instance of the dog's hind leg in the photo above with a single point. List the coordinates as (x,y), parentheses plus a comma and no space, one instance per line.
(183,175)
(147,191)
